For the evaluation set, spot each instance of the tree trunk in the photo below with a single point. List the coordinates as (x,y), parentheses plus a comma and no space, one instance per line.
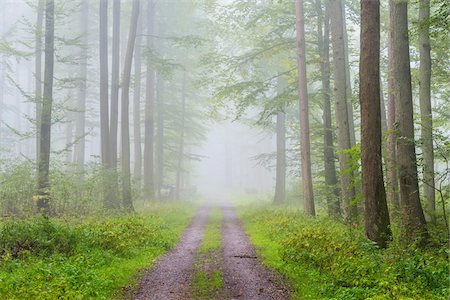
(125,123)
(38,74)
(392,174)
(413,220)
(280,182)
(425,106)
(46,117)
(323,43)
(376,214)
(304,113)
(104,103)
(115,70)
(149,185)
(181,145)
(81,97)
(343,133)
(137,106)
(160,136)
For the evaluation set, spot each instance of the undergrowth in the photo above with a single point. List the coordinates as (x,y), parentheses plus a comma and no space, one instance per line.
(323,261)
(98,258)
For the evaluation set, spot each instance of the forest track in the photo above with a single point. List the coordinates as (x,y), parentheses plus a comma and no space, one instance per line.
(243,275)
(170,277)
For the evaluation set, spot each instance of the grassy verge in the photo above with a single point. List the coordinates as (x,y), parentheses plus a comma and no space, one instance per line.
(80,259)
(323,261)
(207,279)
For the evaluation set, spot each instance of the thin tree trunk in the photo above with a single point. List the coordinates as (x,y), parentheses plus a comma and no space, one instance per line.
(160,136)
(38,74)
(137,106)
(125,123)
(340,95)
(181,145)
(304,113)
(425,106)
(104,102)
(376,214)
(413,220)
(149,185)
(280,182)
(115,70)
(391,162)
(81,97)
(46,117)
(323,43)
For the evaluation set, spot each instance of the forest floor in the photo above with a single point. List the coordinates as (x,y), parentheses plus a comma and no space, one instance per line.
(213,260)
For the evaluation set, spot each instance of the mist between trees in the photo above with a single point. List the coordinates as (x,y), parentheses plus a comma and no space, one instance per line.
(330,106)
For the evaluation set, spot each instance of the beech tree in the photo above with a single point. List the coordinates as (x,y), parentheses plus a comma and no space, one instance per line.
(376,213)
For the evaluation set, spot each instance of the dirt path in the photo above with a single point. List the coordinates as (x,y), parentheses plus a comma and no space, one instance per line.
(171,276)
(243,275)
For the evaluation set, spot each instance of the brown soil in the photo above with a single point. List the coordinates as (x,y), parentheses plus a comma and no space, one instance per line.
(171,276)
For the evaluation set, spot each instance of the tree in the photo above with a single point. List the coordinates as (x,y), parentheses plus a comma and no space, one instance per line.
(115,67)
(46,117)
(149,109)
(304,111)
(376,214)
(125,123)
(340,97)
(38,73)
(425,105)
(413,220)
(104,101)
(280,182)
(181,139)
(81,97)
(137,105)
(323,47)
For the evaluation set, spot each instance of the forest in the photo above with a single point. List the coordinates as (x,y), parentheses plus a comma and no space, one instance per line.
(224,149)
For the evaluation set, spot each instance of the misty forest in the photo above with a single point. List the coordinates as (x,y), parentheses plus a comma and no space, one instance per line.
(224,149)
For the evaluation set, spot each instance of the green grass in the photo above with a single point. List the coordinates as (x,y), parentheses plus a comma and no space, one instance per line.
(96,258)
(322,260)
(207,279)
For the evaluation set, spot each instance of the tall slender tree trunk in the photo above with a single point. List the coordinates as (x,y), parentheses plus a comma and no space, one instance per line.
(181,144)
(280,182)
(125,123)
(391,162)
(340,95)
(137,106)
(115,70)
(160,136)
(304,112)
(323,44)
(149,185)
(413,220)
(38,74)
(376,214)
(46,117)
(425,106)
(80,131)
(104,103)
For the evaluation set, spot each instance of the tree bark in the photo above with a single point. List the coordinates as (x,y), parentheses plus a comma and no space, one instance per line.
(343,133)
(46,117)
(181,144)
(149,185)
(115,70)
(160,136)
(80,131)
(413,220)
(280,182)
(125,123)
(38,75)
(425,106)
(392,174)
(308,194)
(323,45)
(376,214)
(137,106)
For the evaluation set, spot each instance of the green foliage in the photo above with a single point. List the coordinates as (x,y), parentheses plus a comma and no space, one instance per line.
(206,283)
(320,253)
(42,258)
